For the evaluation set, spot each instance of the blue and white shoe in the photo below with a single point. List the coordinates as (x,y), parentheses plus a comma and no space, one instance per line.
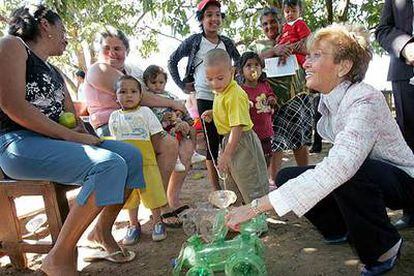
(159,232)
(380,268)
(132,235)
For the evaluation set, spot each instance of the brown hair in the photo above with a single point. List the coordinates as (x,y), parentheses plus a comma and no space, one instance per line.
(127,77)
(349,43)
(24,21)
(112,32)
(152,72)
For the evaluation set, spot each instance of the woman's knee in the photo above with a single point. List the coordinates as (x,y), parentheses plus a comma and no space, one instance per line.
(286,174)
(131,155)
(168,145)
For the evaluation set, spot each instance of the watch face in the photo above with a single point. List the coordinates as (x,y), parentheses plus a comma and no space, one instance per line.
(254,203)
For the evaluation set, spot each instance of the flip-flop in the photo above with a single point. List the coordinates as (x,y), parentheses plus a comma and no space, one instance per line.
(174,214)
(103,255)
(179,210)
(177,224)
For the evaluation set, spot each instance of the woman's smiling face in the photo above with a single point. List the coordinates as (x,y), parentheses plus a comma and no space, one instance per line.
(270,26)
(322,73)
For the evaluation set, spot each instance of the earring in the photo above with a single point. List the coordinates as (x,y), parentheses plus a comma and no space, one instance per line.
(49,36)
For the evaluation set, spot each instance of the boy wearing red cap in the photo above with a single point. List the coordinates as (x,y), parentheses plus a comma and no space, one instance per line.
(195,48)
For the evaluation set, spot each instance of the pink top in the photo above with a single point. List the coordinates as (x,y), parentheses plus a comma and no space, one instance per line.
(293,32)
(260,112)
(100,105)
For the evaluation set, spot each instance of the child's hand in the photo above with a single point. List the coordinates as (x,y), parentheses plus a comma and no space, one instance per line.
(189,87)
(182,127)
(178,113)
(169,117)
(80,127)
(207,116)
(223,163)
(272,102)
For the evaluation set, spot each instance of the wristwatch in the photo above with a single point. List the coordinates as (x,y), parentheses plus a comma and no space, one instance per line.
(254,205)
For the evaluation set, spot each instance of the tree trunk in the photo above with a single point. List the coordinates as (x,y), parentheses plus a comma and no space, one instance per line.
(329,9)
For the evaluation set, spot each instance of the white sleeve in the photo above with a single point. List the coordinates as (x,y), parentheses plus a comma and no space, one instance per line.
(154,125)
(113,123)
(351,147)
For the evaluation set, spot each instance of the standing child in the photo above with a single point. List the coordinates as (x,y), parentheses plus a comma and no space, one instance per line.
(295,29)
(261,97)
(242,158)
(176,123)
(137,125)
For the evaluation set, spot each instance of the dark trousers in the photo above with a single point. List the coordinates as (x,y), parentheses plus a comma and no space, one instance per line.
(403,93)
(213,139)
(357,207)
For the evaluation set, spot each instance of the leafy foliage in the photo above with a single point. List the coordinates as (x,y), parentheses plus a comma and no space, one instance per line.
(148,20)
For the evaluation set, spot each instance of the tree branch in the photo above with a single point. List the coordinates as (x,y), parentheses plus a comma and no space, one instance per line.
(329,9)
(139,19)
(159,32)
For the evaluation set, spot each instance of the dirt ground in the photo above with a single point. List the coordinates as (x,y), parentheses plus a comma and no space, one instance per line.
(292,247)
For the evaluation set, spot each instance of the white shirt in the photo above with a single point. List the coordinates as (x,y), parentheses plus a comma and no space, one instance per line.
(138,124)
(357,120)
(202,88)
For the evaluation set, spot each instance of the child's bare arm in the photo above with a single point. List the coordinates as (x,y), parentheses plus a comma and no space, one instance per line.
(225,157)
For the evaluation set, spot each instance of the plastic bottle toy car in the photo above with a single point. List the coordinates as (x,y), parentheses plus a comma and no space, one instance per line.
(241,256)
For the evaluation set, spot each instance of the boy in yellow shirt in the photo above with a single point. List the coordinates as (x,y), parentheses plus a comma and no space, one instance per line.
(242,158)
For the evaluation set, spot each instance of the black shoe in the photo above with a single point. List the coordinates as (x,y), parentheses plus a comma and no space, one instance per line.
(336,240)
(379,268)
(406,221)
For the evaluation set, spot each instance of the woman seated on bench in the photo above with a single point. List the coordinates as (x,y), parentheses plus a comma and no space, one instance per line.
(33,145)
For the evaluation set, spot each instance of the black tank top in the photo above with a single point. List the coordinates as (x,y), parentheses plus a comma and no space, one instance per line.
(44,90)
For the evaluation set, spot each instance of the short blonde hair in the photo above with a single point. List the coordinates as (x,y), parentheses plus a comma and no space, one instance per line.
(349,43)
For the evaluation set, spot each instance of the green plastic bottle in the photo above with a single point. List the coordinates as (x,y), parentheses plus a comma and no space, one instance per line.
(241,256)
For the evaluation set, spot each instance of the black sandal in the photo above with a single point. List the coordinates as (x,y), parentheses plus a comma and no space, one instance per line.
(174,214)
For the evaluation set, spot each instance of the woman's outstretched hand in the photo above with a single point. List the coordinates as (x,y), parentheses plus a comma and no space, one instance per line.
(238,215)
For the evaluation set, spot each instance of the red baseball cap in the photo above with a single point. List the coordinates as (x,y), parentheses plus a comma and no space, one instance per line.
(204,3)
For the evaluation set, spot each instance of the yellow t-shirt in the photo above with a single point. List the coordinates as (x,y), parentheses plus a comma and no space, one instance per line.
(231,108)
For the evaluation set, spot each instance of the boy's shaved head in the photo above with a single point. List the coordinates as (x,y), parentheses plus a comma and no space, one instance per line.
(217,57)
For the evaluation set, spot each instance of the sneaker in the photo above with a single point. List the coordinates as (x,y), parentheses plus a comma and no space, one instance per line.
(132,235)
(179,167)
(158,232)
(197,158)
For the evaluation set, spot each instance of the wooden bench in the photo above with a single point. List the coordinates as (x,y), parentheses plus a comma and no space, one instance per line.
(56,209)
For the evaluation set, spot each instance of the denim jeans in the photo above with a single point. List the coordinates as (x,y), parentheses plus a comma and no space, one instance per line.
(107,169)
